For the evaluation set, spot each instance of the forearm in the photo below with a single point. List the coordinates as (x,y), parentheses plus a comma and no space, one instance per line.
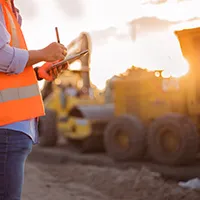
(35,56)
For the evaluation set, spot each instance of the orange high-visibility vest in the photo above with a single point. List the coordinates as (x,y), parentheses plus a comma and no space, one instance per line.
(20,97)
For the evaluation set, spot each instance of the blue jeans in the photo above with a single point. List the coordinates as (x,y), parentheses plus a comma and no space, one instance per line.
(15,146)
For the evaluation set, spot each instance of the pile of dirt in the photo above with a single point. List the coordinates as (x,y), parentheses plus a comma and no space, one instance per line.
(81,182)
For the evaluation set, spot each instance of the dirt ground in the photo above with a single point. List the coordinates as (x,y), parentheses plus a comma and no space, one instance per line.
(76,181)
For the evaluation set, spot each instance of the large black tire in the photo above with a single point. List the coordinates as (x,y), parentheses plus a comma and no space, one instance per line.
(93,143)
(48,129)
(173,140)
(135,134)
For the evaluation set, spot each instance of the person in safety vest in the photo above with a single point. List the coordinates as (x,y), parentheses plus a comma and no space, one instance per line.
(20,100)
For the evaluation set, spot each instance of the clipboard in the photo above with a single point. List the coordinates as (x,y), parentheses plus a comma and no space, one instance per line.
(70,58)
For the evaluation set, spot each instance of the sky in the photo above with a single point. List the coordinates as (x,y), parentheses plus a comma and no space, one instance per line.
(111,53)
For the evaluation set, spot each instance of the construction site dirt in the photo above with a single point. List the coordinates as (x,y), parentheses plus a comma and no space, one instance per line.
(57,173)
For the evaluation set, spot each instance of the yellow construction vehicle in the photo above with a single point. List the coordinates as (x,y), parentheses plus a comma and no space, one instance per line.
(58,120)
(155,116)
(147,114)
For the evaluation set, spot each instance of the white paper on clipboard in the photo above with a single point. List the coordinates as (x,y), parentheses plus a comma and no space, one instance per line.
(70,58)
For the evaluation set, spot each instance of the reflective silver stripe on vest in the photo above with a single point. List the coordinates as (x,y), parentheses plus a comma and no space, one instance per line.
(19,93)
(15,40)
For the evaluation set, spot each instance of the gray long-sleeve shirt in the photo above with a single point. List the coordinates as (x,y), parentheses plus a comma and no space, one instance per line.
(12,60)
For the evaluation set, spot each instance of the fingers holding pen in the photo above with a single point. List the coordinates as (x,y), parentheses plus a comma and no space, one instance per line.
(54,51)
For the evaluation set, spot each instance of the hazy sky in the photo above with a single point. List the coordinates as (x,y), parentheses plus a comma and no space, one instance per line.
(114,55)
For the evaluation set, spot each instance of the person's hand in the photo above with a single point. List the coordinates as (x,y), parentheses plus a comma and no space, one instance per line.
(53,52)
(46,72)
(57,70)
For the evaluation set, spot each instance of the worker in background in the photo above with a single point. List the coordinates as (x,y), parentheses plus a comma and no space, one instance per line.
(20,100)
(70,90)
(63,102)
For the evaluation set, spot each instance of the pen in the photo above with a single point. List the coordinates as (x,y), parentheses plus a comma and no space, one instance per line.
(58,40)
(57,34)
